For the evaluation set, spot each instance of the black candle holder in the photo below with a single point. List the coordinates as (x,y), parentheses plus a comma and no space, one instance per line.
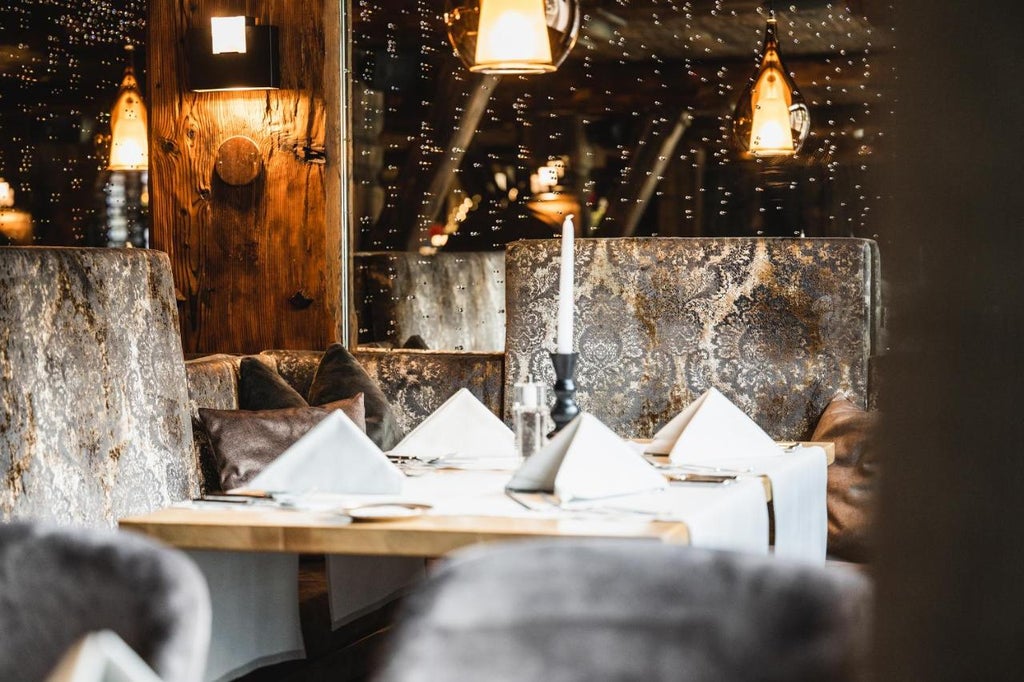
(565,408)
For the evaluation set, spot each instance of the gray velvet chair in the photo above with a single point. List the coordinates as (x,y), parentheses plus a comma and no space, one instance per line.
(57,585)
(606,610)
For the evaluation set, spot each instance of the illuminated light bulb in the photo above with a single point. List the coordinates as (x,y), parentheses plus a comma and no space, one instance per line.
(129,141)
(228,34)
(770,132)
(512,36)
(771,118)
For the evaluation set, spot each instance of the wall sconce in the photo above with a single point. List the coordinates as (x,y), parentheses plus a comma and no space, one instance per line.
(512,36)
(771,118)
(129,140)
(233,53)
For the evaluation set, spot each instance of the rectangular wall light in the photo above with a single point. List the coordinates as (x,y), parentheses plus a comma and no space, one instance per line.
(233,53)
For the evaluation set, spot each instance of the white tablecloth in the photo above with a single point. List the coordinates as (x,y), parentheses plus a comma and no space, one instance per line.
(799,500)
(255,595)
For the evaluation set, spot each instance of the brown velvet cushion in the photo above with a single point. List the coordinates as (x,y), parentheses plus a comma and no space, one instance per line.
(852,480)
(340,376)
(244,442)
(261,388)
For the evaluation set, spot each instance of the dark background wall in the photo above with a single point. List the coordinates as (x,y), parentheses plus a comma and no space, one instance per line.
(951,560)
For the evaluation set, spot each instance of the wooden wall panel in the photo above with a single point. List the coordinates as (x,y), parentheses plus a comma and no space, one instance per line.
(240,253)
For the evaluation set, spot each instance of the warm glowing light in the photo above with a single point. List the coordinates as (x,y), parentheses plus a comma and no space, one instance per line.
(771,118)
(129,142)
(770,131)
(16,226)
(6,194)
(512,37)
(228,34)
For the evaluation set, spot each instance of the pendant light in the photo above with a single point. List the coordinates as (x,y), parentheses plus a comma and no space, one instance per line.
(512,36)
(129,142)
(771,118)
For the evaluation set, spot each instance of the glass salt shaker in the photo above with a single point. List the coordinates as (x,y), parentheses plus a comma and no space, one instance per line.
(529,414)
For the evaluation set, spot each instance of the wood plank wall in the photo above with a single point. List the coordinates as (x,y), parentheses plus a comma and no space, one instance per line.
(240,253)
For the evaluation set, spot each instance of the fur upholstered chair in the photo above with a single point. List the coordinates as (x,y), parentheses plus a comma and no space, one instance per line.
(60,584)
(619,610)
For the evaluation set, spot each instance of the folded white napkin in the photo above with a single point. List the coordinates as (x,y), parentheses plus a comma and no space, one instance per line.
(586,460)
(461,428)
(713,431)
(102,657)
(709,429)
(335,456)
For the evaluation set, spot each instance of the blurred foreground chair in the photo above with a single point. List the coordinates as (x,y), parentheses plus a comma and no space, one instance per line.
(605,610)
(58,585)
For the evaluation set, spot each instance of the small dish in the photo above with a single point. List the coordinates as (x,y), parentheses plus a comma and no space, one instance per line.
(386,511)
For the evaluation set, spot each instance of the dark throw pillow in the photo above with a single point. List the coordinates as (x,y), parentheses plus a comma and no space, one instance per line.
(339,376)
(261,388)
(244,442)
(415,342)
(852,479)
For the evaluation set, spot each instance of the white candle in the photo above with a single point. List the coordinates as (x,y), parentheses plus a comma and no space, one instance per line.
(564,338)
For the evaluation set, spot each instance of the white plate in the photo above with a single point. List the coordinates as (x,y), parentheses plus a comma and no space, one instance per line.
(386,512)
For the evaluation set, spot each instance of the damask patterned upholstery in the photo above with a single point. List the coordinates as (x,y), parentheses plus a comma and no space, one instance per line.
(94,422)
(415,382)
(779,325)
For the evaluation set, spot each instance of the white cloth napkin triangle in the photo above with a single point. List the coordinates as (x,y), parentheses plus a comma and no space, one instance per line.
(462,427)
(335,456)
(709,430)
(102,657)
(714,431)
(586,460)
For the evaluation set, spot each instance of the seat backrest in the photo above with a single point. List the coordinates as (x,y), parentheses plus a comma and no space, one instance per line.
(627,610)
(92,387)
(778,325)
(60,584)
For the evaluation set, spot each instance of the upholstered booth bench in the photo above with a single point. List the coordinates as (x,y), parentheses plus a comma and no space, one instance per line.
(99,406)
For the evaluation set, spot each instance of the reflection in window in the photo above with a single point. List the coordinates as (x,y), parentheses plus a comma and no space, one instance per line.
(632,134)
(60,65)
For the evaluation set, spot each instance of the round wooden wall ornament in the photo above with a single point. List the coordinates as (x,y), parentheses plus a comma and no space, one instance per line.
(238,161)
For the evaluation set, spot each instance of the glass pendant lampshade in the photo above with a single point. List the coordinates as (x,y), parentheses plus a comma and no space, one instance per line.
(129,143)
(512,36)
(771,118)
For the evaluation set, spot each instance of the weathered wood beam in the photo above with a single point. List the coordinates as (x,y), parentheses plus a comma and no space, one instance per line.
(654,148)
(240,253)
(435,158)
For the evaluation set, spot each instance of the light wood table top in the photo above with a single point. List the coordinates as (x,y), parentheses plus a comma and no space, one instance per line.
(268,529)
(258,528)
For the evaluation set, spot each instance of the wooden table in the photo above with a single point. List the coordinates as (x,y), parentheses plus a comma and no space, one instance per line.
(269,529)
(279,530)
